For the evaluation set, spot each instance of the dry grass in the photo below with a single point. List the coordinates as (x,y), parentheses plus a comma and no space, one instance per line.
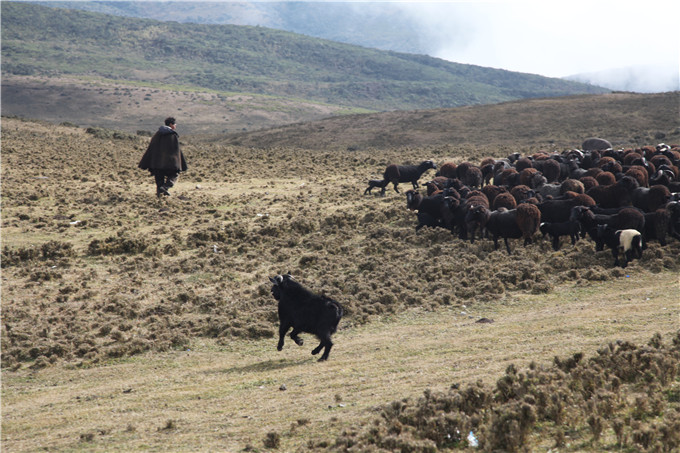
(226,397)
(124,329)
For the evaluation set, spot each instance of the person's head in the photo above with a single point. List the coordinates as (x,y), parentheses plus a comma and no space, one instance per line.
(170,122)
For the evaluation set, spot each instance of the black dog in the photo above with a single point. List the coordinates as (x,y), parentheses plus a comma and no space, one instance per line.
(305,311)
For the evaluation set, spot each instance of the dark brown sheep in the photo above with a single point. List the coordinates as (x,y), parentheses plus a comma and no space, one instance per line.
(616,195)
(521,193)
(504,200)
(588,183)
(640,174)
(605,178)
(448,170)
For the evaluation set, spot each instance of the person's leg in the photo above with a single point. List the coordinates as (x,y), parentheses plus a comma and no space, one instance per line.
(171,177)
(159,176)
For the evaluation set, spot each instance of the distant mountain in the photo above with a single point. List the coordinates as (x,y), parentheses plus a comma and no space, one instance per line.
(379,25)
(639,79)
(39,40)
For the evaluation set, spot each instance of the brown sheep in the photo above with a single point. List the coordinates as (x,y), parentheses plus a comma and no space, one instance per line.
(504,200)
(640,174)
(448,170)
(605,178)
(572,185)
(588,183)
(531,177)
(492,191)
(521,193)
(615,195)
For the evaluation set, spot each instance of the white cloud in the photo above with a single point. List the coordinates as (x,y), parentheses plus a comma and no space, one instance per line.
(557,38)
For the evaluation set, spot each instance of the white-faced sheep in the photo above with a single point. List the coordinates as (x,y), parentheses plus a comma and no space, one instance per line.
(304,311)
(624,218)
(405,173)
(628,242)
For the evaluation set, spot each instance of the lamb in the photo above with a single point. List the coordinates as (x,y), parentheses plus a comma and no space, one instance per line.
(522,222)
(305,311)
(627,241)
(374,183)
(569,228)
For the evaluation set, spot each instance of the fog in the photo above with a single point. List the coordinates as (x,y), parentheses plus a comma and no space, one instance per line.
(624,44)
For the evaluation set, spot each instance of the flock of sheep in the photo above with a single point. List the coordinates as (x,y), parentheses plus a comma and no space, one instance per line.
(621,199)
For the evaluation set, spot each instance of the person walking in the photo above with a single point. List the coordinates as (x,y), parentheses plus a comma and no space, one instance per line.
(163,158)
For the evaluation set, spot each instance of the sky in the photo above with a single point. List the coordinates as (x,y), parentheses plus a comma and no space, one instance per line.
(554,38)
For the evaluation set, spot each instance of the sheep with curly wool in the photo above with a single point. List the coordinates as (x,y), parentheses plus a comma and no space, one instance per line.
(615,195)
(649,199)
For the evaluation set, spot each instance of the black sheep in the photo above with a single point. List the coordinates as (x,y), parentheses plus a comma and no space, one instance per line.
(433,211)
(305,311)
(657,225)
(652,198)
(521,222)
(569,228)
(405,173)
(374,183)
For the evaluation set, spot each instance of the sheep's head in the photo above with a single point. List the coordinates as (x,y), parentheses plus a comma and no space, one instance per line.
(427,165)
(279,282)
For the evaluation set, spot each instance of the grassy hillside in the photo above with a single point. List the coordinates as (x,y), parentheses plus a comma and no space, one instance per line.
(376,25)
(625,119)
(131,323)
(38,40)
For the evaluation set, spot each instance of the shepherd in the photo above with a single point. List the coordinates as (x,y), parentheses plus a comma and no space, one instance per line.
(163,158)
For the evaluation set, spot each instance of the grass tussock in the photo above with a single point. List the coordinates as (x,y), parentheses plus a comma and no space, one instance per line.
(625,397)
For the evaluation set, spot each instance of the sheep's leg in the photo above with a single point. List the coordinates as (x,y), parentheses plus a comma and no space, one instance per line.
(283,328)
(294,335)
(556,243)
(395,186)
(325,343)
(507,246)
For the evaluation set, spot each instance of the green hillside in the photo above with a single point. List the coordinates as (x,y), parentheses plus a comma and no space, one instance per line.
(38,40)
